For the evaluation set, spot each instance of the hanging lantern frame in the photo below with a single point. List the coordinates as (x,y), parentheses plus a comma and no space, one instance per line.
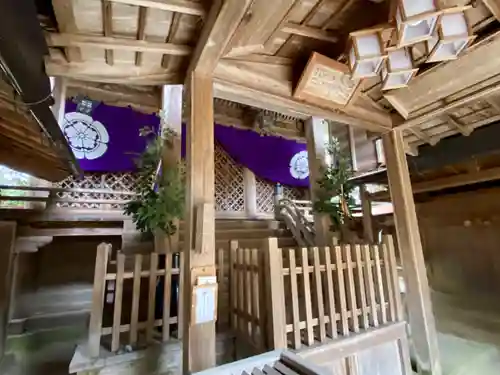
(442,39)
(404,23)
(356,57)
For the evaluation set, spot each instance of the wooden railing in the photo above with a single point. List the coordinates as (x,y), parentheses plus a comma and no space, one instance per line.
(135,323)
(52,197)
(332,291)
(298,219)
(248,296)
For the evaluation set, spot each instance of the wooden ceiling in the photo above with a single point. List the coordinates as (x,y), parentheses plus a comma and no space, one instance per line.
(23,145)
(261,49)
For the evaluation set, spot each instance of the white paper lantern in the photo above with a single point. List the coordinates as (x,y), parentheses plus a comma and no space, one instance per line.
(365,53)
(453,35)
(416,20)
(398,69)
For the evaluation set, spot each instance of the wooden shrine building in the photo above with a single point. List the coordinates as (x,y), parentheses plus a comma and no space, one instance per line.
(254,281)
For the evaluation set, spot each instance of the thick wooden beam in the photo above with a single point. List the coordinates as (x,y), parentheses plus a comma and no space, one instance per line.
(66,23)
(286,104)
(111,43)
(318,137)
(59,88)
(121,74)
(222,21)
(199,255)
(309,32)
(179,6)
(422,324)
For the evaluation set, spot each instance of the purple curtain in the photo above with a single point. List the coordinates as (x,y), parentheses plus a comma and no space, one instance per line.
(109,141)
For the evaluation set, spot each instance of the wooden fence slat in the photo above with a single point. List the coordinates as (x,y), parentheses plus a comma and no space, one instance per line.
(254,261)
(332,324)
(370,285)
(248,290)
(117,310)
(263,311)
(180,302)
(167,296)
(136,294)
(221,281)
(307,297)
(388,283)
(233,284)
(404,355)
(98,291)
(275,294)
(380,286)
(319,295)
(395,278)
(241,291)
(361,284)
(351,293)
(341,290)
(295,299)
(153,266)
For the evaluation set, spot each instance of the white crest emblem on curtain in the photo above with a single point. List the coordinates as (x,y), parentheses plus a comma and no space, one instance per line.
(88,138)
(299,166)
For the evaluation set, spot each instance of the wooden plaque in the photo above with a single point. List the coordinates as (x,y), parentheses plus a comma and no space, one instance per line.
(326,82)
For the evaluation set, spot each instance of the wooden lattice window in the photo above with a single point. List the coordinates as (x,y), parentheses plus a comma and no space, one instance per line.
(229,185)
(117,182)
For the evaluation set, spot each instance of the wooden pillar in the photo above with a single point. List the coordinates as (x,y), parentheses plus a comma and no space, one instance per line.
(59,88)
(171,120)
(250,193)
(366,206)
(199,251)
(318,137)
(421,318)
(8,239)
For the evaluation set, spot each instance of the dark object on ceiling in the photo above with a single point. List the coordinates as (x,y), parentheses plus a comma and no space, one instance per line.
(22,51)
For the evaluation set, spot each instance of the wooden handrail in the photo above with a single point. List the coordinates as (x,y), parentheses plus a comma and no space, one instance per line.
(65,190)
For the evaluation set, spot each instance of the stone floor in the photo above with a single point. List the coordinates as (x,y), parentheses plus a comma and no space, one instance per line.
(469,341)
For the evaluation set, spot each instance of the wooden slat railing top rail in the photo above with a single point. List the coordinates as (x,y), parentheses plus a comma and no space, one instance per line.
(65,190)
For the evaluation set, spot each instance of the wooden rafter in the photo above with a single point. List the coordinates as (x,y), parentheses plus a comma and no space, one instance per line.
(494,7)
(489,90)
(141,34)
(103,73)
(463,129)
(179,6)
(65,16)
(174,26)
(110,43)
(424,137)
(217,32)
(309,32)
(265,18)
(107,26)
